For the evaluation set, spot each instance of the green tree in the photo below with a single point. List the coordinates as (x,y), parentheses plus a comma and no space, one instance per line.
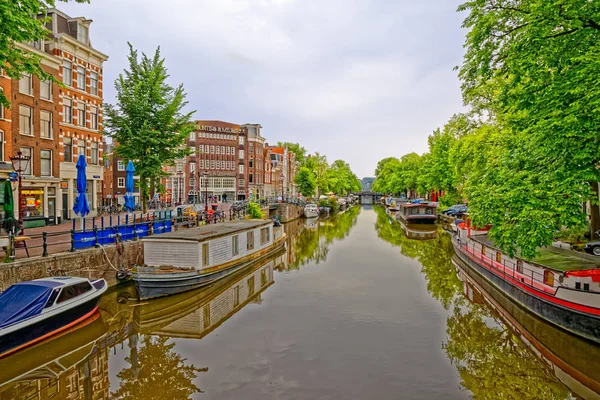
(21,23)
(317,163)
(306,181)
(531,67)
(147,122)
(254,211)
(295,148)
(159,373)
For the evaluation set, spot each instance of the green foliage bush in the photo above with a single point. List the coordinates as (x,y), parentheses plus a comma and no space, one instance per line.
(571,235)
(254,211)
(330,202)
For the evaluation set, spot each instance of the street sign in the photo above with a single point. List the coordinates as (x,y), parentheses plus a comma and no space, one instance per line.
(14,177)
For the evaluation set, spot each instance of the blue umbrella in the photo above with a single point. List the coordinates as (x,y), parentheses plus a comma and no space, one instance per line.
(81,206)
(129,202)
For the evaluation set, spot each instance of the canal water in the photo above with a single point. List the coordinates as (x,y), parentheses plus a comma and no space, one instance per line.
(357,307)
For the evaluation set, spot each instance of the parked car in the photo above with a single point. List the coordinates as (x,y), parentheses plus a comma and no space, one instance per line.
(592,248)
(455,210)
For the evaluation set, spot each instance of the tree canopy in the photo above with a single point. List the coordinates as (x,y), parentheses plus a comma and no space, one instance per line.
(20,24)
(147,122)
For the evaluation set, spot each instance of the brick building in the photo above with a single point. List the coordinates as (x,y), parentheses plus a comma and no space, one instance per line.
(255,161)
(31,126)
(283,172)
(114,175)
(81,71)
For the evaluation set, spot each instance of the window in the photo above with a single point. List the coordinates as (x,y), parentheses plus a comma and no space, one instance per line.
(264,235)
(27,152)
(95,153)
(94,83)
(179,167)
(46,124)
(121,182)
(218,150)
(222,164)
(46,162)
(235,245)
(483,250)
(241,168)
(94,117)
(193,151)
(263,277)
(578,285)
(250,178)
(236,296)
(120,165)
(241,140)
(68,111)
(1,145)
(1,110)
(241,154)
(68,149)
(250,240)
(26,120)
(52,297)
(67,72)
(218,165)
(82,33)
(192,168)
(251,163)
(251,286)
(241,183)
(80,77)
(228,164)
(205,255)
(548,278)
(81,148)
(206,315)
(201,165)
(201,149)
(72,291)
(251,149)
(222,149)
(586,287)
(46,90)
(228,150)
(26,84)
(212,149)
(212,164)
(498,257)
(81,113)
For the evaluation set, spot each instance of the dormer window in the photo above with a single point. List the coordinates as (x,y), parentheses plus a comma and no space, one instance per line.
(82,34)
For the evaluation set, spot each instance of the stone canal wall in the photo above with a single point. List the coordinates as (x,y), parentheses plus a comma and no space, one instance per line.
(288,212)
(91,263)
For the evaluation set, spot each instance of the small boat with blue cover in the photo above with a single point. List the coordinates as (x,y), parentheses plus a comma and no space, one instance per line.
(35,310)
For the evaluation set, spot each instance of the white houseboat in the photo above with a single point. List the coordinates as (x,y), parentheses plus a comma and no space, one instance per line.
(311,210)
(187,259)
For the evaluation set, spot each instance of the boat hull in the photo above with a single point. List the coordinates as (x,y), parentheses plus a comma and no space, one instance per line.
(579,323)
(153,285)
(47,327)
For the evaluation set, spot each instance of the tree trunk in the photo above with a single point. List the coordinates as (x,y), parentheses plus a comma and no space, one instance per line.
(594,211)
(144,192)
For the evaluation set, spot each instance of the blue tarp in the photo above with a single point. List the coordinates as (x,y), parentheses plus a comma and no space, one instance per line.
(24,300)
(129,183)
(81,206)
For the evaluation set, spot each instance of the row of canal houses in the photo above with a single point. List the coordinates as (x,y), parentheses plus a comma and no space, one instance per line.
(54,125)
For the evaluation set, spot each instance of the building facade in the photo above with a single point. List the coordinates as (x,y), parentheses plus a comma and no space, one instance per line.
(114,176)
(255,164)
(283,173)
(80,106)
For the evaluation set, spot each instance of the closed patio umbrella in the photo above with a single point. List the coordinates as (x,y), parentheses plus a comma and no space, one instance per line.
(129,202)
(81,206)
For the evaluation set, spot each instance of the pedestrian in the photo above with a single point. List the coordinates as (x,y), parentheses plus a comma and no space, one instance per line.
(224,198)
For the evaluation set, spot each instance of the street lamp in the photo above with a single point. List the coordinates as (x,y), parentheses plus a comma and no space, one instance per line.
(282,186)
(179,185)
(20,164)
(205,176)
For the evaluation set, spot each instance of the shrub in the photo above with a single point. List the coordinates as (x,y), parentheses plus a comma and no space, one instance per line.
(254,211)
(571,235)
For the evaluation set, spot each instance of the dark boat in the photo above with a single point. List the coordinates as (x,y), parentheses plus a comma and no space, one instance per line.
(33,311)
(573,360)
(560,286)
(417,213)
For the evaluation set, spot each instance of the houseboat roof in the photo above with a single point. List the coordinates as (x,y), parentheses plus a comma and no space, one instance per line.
(554,257)
(210,231)
(424,204)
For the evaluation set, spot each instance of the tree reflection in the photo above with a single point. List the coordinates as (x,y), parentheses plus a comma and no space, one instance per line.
(434,255)
(156,372)
(313,243)
(492,362)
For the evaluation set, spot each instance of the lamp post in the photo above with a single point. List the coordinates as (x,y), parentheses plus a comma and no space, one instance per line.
(282,187)
(20,164)
(179,185)
(205,176)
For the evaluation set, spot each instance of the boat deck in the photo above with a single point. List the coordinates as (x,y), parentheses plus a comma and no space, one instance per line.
(555,258)
(211,231)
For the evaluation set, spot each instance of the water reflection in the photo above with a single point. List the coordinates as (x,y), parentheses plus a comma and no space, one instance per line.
(499,350)
(309,241)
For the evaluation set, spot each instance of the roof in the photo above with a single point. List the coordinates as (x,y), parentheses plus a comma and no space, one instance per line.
(210,231)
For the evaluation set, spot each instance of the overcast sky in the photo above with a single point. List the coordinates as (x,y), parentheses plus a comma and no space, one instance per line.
(357,80)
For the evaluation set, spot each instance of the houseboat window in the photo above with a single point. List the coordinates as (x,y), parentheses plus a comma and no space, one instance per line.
(251,286)
(586,286)
(206,315)
(498,257)
(72,291)
(263,277)
(235,244)
(264,235)
(520,266)
(53,296)
(250,240)
(205,254)
(548,278)
(483,250)
(236,296)
(578,285)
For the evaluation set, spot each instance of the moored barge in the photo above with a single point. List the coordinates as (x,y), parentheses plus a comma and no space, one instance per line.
(179,261)
(417,213)
(560,286)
